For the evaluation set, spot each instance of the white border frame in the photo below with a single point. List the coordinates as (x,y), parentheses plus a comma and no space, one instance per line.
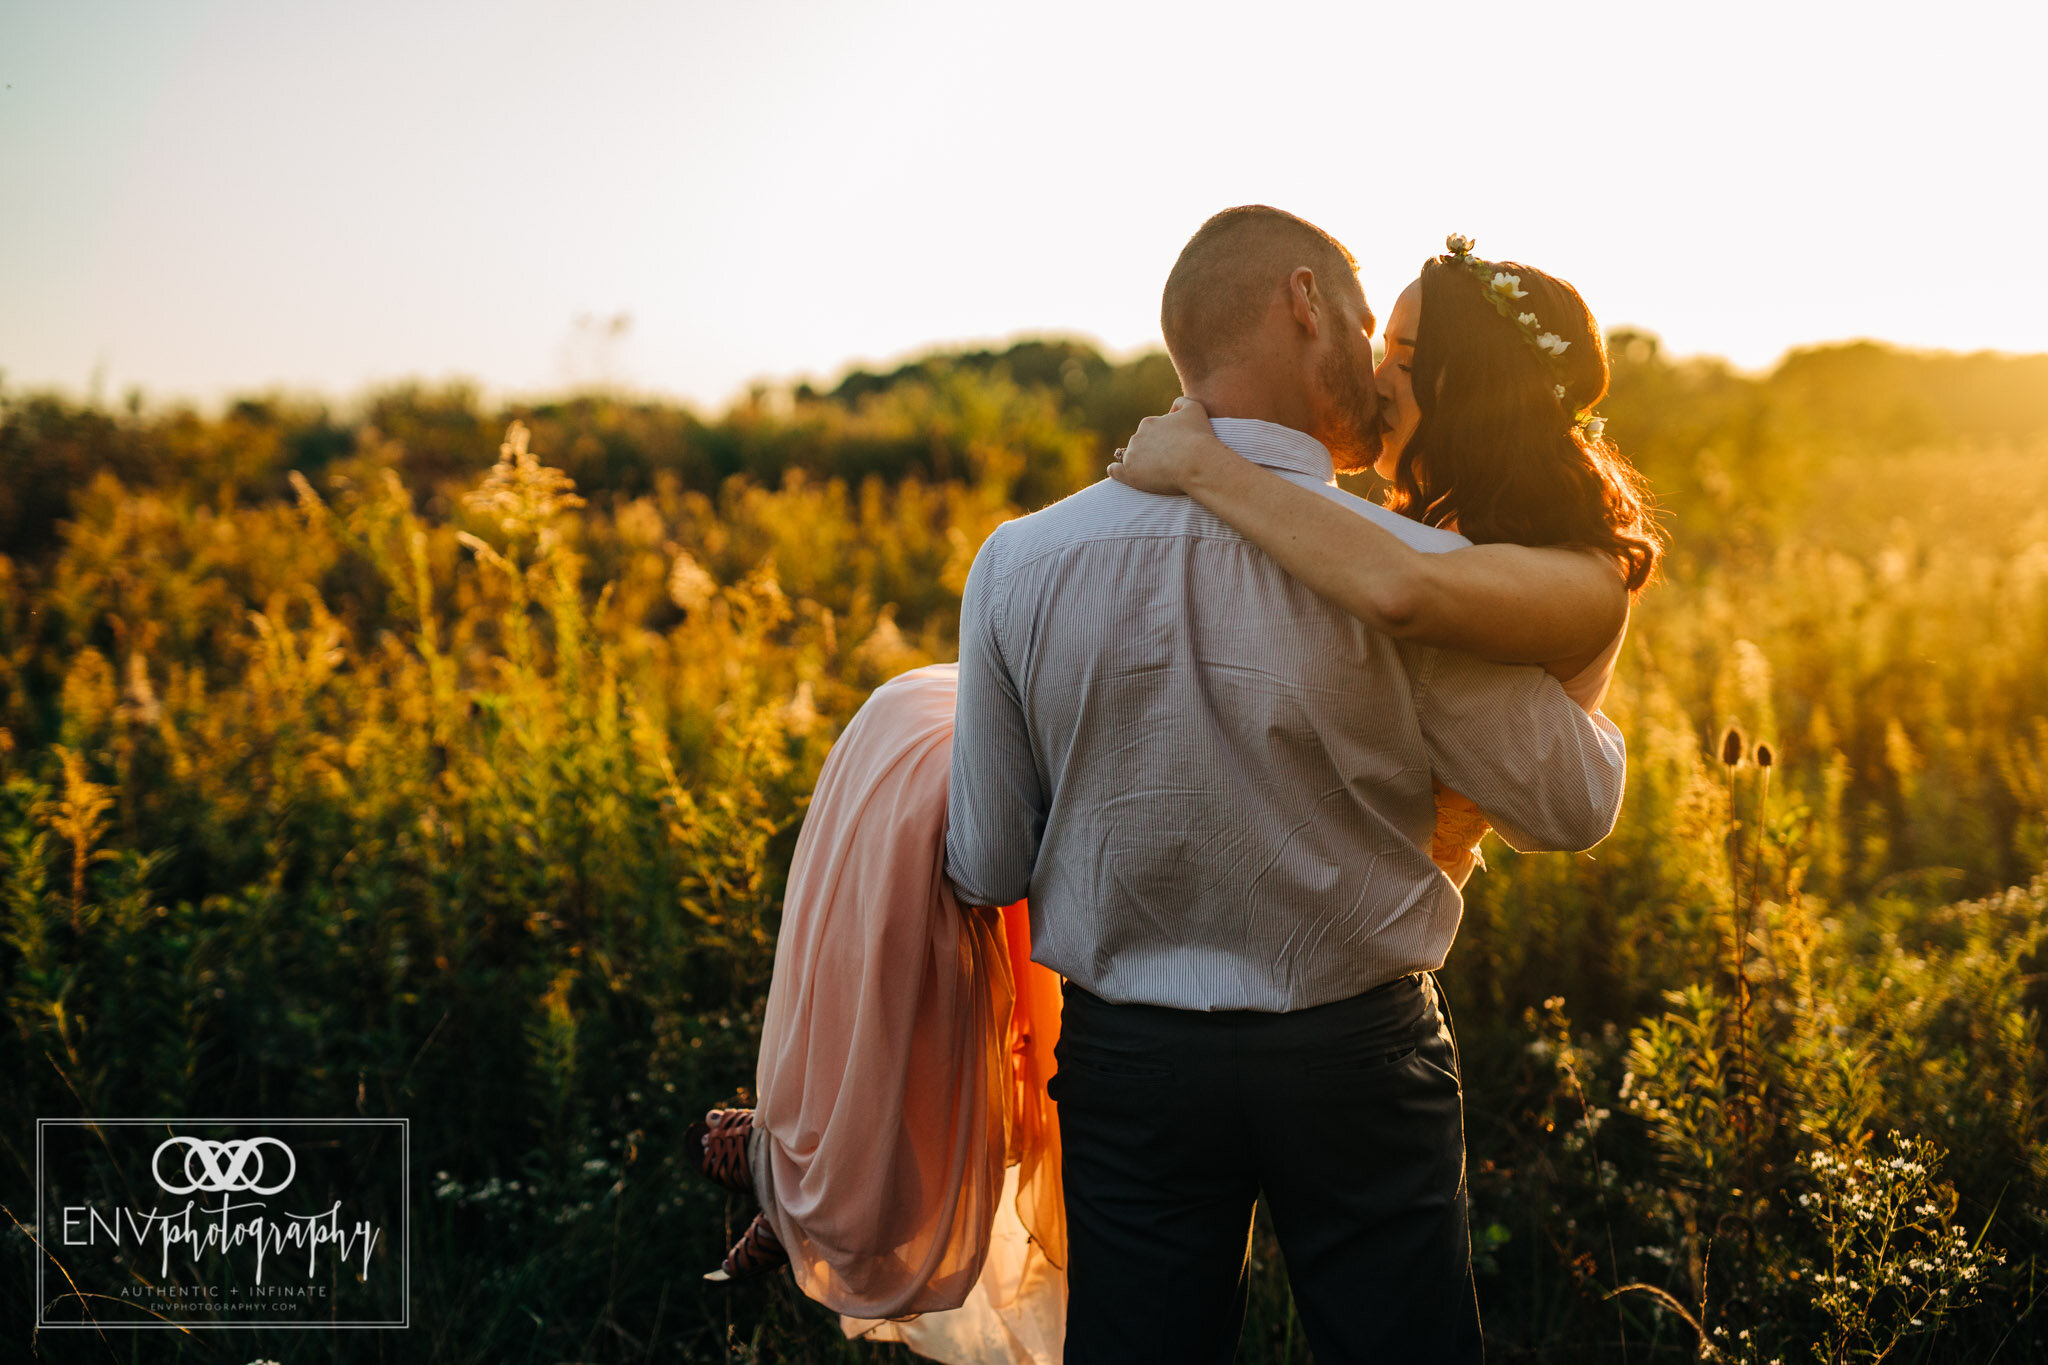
(43,1256)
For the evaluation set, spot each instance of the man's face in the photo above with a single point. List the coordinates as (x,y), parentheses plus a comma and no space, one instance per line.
(1348,401)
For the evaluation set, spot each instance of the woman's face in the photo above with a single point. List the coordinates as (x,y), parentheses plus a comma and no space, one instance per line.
(1398,413)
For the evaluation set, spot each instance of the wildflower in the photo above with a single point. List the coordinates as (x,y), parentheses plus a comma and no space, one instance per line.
(885,649)
(689,586)
(142,697)
(1731,746)
(1459,244)
(1595,427)
(521,493)
(799,715)
(1553,343)
(1508,285)
(1527,319)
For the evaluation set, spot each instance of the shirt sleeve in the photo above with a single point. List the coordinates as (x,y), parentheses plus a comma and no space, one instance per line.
(1545,772)
(996,805)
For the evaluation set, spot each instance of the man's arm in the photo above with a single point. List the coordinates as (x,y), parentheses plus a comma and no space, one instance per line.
(1548,775)
(995,810)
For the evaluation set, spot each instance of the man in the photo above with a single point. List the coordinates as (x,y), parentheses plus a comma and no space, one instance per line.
(1216,790)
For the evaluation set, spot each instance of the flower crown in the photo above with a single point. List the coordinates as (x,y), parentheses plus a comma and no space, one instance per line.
(1499,289)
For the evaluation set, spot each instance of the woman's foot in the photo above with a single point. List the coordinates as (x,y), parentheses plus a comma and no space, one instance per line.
(757,1252)
(717,1146)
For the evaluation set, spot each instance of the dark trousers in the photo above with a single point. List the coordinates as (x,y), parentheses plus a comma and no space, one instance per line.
(1349,1118)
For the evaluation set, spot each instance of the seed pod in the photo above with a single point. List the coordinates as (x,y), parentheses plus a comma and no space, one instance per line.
(1732,746)
(1763,755)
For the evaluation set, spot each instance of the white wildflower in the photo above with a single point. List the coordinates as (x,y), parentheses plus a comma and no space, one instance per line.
(1553,343)
(689,586)
(1508,285)
(799,715)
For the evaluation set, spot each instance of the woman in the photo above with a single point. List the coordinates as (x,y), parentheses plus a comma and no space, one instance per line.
(914,1166)
(1487,387)
(897,1084)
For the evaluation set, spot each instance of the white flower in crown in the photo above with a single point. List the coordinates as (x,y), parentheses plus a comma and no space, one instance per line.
(1509,285)
(1594,426)
(1558,389)
(1553,343)
(1527,319)
(1459,244)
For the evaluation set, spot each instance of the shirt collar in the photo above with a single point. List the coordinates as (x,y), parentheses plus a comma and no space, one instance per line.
(1275,446)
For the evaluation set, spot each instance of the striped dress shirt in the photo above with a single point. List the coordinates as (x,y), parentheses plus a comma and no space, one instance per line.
(1214,786)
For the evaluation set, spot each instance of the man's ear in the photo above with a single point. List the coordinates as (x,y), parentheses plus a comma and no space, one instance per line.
(1305,301)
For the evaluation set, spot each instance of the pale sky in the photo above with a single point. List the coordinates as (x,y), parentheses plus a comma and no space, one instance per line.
(205,197)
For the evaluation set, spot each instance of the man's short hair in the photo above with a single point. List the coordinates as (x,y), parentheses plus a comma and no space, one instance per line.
(1228,275)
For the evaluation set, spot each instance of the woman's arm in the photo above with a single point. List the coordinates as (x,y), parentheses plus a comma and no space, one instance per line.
(1508,603)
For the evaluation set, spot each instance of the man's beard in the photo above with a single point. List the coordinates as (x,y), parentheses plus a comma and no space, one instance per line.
(1354,434)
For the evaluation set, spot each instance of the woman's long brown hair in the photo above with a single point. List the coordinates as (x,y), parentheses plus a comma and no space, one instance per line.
(1496,451)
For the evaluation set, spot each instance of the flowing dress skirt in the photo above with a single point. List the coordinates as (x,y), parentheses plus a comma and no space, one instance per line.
(910,1156)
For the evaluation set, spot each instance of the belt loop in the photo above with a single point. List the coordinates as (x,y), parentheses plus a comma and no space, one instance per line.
(1443,1009)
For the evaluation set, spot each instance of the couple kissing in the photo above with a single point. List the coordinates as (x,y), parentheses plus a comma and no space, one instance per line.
(1132,916)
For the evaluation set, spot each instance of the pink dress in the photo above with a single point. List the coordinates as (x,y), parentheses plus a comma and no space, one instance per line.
(910,1156)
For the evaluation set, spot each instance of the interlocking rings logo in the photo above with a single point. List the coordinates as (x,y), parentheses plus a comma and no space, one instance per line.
(213,1178)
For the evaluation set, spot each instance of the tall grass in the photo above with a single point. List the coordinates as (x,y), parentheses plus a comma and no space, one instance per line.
(472,803)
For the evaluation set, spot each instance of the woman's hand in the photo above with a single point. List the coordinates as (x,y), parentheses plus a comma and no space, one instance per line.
(1167,452)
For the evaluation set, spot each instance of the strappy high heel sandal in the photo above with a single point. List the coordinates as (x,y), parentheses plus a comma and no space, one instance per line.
(757,1252)
(717,1146)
